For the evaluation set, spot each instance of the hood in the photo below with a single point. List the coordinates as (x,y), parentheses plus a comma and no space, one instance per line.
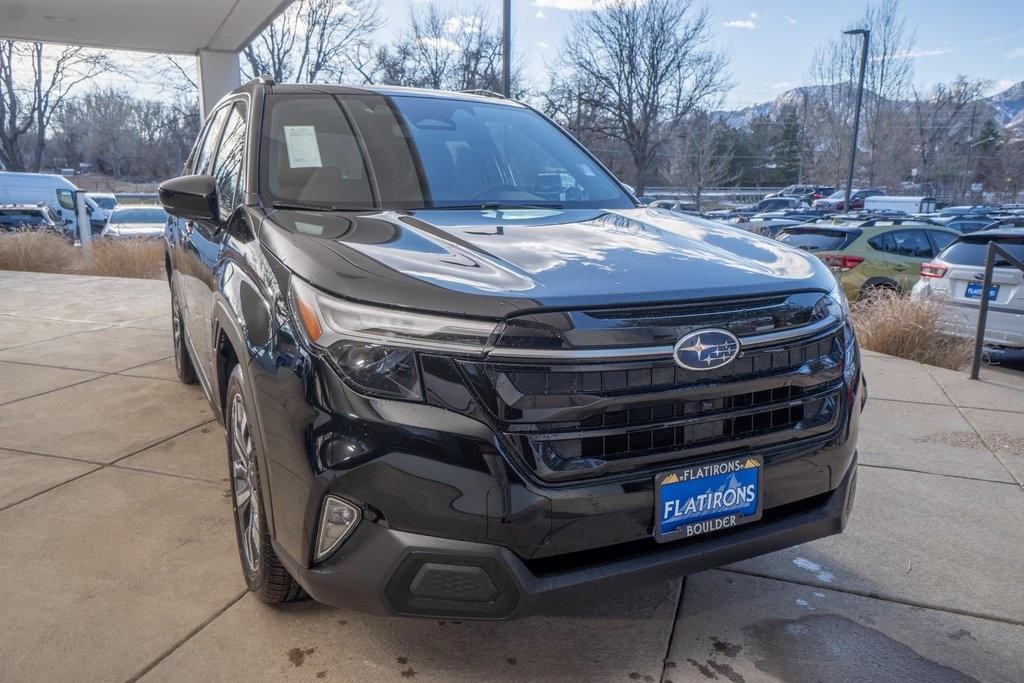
(500,263)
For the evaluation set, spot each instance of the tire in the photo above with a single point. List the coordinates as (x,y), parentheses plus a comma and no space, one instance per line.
(182,360)
(264,574)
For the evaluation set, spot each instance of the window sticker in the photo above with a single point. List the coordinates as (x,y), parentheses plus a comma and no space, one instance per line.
(303,150)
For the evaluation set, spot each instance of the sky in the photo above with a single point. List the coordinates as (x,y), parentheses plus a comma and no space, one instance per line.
(771,44)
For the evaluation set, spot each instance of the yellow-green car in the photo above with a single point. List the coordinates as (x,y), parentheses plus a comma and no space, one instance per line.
(866,255)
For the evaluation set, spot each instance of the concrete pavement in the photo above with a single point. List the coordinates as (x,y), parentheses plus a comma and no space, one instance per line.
(119,558)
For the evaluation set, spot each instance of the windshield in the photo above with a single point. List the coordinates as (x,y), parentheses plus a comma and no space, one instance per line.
(141,215)
(838,194)
(362,151)
(105,202)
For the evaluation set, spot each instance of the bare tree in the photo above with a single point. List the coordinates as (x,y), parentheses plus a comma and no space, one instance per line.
(701,157)
(446,50)
(947,119)
(35,81)
(314,41)
(643,67)
(835,71)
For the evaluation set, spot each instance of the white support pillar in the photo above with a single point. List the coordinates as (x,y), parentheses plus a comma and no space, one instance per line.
(219,74)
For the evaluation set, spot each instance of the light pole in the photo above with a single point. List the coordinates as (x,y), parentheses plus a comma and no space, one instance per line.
(506,48)
(866,34)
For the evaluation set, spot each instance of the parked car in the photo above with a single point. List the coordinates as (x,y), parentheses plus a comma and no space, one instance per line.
(875,254)
(136,220)
(955,276)
(674,205)
(768,204)
(907,205)
(837,200)
(447,396)
(53,190)
(967,224)
(105,200)
(34,217)
(951,213)
(805,193)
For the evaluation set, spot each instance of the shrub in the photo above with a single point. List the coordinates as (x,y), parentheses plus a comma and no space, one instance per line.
(909,328)
(41,252)
(48,253)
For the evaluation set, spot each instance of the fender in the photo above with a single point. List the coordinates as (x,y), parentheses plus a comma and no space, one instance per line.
(242,314)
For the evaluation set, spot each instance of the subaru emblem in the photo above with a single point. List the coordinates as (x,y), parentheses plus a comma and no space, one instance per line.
(706,349)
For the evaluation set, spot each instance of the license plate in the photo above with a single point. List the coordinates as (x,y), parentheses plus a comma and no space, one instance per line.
(708,497)
(974,291)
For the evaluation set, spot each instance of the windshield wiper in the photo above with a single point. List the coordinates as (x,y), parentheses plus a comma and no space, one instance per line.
(494,206)
(298,206)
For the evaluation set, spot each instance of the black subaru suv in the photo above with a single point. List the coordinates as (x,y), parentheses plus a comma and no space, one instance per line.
(461,370)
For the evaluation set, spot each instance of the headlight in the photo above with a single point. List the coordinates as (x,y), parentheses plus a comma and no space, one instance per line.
(838,296)
(375,348)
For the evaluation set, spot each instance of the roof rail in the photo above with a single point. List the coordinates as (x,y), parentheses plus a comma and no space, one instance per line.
(484,93)
(265,79)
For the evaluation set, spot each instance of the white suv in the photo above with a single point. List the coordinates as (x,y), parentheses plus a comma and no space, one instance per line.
(956,275)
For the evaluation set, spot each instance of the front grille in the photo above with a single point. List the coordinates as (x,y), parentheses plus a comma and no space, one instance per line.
(581,420)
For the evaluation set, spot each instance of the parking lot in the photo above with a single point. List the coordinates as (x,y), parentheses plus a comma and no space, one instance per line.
(120,559)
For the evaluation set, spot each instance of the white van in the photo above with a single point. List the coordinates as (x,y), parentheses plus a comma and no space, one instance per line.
(908,205)
(53,190)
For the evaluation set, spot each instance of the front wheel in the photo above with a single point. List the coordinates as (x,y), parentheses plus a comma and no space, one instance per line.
(182,360)
(264,574)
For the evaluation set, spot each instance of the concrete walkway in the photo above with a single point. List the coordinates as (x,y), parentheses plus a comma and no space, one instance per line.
(119,558)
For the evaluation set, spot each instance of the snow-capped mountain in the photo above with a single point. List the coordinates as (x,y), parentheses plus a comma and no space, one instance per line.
(1007,106)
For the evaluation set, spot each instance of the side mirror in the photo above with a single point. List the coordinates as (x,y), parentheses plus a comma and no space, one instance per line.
(190,196)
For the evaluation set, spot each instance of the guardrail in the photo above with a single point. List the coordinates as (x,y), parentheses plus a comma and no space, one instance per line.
(986,285)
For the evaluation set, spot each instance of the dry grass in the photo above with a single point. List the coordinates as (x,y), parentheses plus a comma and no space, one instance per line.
(48,253)
(37,251)
(908,328)
(139,258)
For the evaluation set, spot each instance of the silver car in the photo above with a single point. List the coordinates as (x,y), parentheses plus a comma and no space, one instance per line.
(955,276)
(136,220)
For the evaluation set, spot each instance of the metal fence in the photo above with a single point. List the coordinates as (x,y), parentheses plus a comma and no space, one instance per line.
(986,286)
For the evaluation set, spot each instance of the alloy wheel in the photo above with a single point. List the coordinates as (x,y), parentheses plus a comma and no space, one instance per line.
(245,484)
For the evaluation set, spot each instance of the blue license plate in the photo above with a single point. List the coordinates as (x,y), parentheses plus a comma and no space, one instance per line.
(708,497)
(974,291)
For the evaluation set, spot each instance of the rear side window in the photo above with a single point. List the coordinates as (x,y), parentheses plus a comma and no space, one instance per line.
(973,252)
(912,243)
(818,239)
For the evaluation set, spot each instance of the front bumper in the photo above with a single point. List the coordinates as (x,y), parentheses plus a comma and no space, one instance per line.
(383,571)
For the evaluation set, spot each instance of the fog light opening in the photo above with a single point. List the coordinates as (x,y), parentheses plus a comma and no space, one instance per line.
(337,520)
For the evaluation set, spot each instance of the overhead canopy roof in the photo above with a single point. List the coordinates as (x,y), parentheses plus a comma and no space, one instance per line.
(175,26)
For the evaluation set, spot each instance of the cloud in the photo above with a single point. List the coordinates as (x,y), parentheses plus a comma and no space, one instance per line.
(442,44)
(1001,85)
(463,24)
(1015,54)
(753,15)
(741,23)
(781,85)
(540,14)
(571,5)
(916,54)
(789,18)
(543,45)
